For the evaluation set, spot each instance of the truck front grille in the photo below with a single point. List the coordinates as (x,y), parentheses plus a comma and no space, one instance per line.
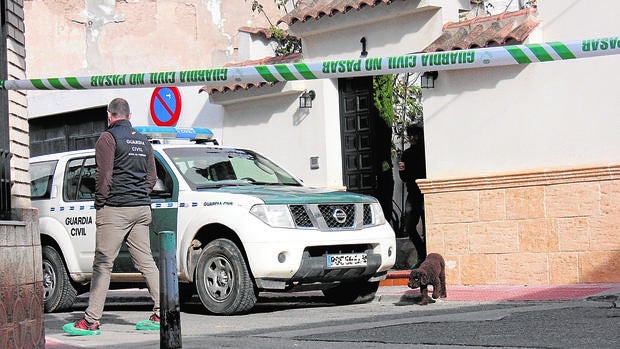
(301,217)
(332,216)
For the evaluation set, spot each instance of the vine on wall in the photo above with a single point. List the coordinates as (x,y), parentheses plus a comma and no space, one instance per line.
(285,43)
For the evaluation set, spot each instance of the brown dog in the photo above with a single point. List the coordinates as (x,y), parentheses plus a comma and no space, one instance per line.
(431,272)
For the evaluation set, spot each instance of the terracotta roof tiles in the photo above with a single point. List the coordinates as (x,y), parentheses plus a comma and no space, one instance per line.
(315,9)
(507,28)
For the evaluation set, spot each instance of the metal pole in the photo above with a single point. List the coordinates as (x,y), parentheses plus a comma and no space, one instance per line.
(170,312)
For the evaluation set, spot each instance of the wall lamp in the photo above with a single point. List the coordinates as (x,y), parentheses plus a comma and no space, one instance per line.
(427,80)
(305,100)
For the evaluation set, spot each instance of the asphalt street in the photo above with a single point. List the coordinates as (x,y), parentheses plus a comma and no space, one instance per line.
(393,320)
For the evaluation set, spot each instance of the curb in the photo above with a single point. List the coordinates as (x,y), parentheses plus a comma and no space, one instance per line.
(396,278)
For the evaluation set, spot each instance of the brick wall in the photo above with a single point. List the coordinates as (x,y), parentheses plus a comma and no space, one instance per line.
(21,276)
(18,116)
(549,227)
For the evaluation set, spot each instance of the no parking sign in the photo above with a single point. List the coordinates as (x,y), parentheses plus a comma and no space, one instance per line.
(165,106)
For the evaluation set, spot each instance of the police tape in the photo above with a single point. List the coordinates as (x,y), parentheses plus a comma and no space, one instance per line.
(419,62)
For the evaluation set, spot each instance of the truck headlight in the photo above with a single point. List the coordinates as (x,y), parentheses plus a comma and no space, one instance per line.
(277,216)
(377,214)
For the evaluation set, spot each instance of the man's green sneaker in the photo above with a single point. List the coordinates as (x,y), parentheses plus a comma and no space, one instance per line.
(82,328)
(152,324)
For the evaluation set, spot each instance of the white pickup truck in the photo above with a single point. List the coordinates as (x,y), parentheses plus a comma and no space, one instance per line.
(243,225)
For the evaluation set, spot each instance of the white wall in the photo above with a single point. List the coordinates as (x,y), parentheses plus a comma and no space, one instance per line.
(195,110)
(519,118)
(253,46)
(279,129)
(409,31)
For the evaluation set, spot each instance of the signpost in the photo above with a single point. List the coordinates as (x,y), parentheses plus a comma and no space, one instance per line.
(419,62)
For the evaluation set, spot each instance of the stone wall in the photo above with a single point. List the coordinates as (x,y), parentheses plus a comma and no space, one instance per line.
(21,282)
(548,227)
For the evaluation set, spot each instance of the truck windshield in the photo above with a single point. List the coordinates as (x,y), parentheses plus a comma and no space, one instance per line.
(215,167)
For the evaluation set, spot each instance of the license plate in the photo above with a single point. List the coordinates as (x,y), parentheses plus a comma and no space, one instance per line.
(347,260)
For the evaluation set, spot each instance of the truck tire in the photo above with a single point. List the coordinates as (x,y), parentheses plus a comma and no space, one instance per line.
(352,292)
(58,291)
(223,281)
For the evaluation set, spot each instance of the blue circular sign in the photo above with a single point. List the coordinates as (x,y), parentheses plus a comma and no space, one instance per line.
(165,106)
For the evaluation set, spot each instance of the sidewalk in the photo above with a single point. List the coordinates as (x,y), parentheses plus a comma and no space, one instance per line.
(396,286)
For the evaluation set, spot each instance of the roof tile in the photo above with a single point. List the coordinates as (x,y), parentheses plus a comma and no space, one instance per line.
(504,29)
(257,31)
(315,9)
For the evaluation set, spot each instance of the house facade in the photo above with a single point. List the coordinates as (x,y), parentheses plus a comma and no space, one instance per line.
(522,162)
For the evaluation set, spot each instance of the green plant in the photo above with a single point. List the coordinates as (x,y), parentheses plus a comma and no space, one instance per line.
(286,43)
(383,86)
(408,105)
(398,100)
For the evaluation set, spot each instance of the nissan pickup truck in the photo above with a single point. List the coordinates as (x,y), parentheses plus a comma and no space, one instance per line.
(243,225)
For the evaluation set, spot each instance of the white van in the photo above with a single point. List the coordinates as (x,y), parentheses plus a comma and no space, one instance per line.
(243,225)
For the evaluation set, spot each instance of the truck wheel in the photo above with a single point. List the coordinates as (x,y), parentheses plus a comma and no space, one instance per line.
(352,292)
(223,282)
(58,292)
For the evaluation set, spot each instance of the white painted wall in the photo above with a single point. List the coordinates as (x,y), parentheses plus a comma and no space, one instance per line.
(519,118)
(195,111)
(278,128)
(410,30)
(253,46)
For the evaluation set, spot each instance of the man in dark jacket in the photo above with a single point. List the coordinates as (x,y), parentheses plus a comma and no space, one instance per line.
(125,177)
(412,166)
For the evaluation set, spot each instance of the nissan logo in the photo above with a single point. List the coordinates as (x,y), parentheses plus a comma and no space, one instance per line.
(339,215)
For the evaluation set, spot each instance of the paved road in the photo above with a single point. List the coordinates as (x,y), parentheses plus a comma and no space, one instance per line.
(393,321)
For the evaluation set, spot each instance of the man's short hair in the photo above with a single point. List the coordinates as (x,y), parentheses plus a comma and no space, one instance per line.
(119,107)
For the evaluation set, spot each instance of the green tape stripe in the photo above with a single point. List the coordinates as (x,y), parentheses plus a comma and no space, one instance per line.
(562,50)
(265,73)
(285,72)
(55,82)
(73,82)
(303,69)
(540,52)
(38,83)
(518,55)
